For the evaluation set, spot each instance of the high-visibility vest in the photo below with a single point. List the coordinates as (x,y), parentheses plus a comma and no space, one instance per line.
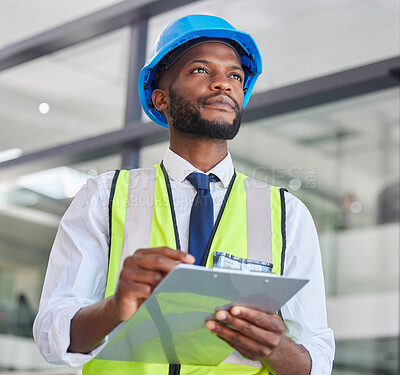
(250,224)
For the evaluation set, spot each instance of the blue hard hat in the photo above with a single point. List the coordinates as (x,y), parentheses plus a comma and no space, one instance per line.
(182,34)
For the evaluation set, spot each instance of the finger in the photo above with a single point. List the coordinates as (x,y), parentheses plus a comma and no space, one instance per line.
(128,298)
(238,341)
(169,253)
(143,276)
(155,262)
(258,318)
(151,261)
(128,290)
(263,336)
(248,353)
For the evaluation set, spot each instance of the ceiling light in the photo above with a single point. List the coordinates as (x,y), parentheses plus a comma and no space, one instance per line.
(44,108)
(56,183)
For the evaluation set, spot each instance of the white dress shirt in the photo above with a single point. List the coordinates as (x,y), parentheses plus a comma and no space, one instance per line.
(77,271)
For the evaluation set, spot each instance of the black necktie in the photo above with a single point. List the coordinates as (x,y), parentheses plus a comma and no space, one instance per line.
(201,215)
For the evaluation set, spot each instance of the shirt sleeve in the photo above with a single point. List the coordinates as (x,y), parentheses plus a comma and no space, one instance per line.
(305,314)
(77,272)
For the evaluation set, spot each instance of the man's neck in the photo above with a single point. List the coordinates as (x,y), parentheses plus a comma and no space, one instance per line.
(202,153)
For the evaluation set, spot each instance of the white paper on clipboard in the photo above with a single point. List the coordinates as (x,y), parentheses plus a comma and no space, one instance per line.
(169,326)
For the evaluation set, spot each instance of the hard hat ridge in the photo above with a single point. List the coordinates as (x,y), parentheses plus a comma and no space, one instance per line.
(185,33)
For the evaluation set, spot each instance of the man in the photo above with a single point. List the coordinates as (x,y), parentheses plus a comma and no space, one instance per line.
(196,82)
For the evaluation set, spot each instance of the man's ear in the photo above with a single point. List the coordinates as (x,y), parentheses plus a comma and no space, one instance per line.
(160,99)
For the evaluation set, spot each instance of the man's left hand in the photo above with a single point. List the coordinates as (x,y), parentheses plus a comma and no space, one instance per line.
(254,334)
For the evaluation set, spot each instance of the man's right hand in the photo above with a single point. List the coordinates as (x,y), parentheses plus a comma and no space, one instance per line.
(140,274)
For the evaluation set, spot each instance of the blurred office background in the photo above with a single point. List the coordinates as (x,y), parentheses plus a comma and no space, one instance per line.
(323,122)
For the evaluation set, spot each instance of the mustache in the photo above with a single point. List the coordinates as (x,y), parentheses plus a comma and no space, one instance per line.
(203,99)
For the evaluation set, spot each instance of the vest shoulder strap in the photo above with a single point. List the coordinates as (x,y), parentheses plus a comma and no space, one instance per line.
(278,226)
(266,208)
(117,210)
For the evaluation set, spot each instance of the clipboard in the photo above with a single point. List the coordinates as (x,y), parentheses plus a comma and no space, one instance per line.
(170,328)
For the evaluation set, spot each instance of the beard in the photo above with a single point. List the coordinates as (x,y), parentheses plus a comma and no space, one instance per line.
(185,117)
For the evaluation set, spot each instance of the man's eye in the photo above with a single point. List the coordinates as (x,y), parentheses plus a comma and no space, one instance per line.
(237,76)
(199,70)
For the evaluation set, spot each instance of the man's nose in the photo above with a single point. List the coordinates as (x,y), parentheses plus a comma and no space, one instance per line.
(220,83)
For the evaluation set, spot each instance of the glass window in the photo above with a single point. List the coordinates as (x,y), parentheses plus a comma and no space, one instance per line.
(20,19)
(366,357)
(30,210)
(66,96)
(153,154)
(342,160)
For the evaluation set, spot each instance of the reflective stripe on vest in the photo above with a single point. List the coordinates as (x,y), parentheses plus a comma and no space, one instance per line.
(252,225)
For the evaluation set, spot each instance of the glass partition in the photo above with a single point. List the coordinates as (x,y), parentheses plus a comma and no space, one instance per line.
(342,160)
(23,19)
(70,95)
(30,210)
(367,357)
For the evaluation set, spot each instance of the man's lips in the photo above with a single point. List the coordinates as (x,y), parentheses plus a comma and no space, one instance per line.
(220,101)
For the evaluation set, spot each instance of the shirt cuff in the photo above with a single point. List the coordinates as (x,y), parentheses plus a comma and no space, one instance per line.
(54,341)
(321,364)
(79,359)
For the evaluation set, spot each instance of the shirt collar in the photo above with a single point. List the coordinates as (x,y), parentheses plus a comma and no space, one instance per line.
(178,168)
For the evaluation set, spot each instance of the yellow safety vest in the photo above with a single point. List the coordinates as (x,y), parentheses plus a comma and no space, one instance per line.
(250,224)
